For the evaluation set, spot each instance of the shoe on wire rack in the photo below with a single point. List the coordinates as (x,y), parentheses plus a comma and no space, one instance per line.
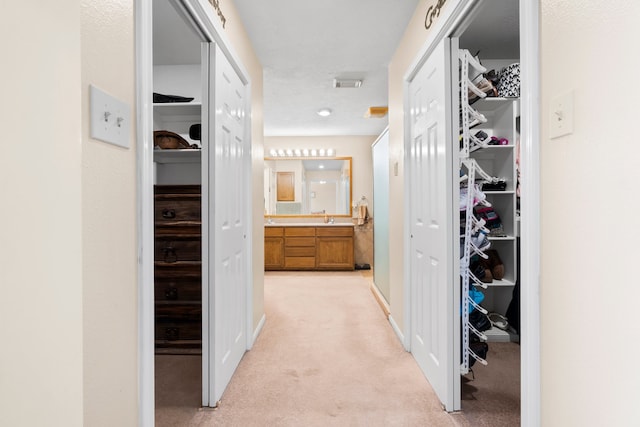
(480,241)
(478,197)
(482,85)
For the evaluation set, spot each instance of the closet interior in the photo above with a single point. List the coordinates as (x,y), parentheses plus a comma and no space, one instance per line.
(487,55)
(177,113)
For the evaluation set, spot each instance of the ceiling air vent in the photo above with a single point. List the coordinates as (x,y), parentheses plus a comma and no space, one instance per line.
(344,83)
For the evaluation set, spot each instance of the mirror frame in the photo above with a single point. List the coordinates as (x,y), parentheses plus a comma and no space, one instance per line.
(349,215)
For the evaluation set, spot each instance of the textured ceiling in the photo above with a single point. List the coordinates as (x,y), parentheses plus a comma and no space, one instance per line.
(303,45)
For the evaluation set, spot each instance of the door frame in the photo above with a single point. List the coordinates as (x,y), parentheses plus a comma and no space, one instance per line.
(443,28)
(207,24)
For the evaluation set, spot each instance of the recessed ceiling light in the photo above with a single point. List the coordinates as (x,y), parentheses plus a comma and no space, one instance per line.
(324,112)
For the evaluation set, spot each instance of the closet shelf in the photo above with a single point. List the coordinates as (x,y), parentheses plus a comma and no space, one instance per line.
(492,102)
(501,283)
(506,192)
(178,110)
(177,156)
(498,335)
(504,238)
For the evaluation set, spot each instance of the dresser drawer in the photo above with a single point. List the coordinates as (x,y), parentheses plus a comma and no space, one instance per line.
(178,311)
(177,210)
(178,289)
(174,248)
(180,269)
(177,331)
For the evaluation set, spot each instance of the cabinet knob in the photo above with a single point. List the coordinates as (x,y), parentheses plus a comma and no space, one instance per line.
(168,213)
(170,254)
(171,334)
(171,293)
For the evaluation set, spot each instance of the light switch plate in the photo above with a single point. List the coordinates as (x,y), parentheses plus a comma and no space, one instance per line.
(110,118)
(561,116)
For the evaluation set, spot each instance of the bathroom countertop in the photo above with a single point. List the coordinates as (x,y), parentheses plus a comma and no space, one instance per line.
(308,224)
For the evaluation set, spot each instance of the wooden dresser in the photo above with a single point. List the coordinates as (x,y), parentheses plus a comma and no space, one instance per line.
(178,269)
(308,247)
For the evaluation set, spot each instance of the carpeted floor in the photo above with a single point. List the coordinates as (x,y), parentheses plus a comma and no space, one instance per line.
(327,357)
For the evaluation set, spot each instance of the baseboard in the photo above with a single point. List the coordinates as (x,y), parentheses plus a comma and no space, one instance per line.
(381,301)
(258,329)
(398,332)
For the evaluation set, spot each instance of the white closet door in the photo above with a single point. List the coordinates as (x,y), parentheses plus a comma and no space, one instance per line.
(431,222)
(227,242)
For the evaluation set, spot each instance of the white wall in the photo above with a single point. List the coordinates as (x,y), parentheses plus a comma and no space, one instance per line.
(182,80)
(109,226)
(588,212)
(41,257)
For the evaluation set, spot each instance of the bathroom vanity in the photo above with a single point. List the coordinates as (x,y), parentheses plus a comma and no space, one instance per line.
(308,247)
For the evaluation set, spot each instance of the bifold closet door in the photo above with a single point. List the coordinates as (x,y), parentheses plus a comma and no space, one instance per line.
(431,213)
(225,171)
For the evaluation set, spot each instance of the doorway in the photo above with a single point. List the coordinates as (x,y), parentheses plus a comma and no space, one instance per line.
(199,96)
(524,227)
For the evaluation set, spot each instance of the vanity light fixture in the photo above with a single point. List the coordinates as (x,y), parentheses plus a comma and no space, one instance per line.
(324,112)
(302,152)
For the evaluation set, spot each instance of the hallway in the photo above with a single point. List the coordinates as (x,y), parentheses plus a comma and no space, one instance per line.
(326,357)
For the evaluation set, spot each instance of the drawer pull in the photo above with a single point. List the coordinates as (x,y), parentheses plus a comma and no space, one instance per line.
(171,293)
(170,255)
(171,334)
(168,213)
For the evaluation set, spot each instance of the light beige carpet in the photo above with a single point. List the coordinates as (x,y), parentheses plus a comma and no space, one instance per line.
(327,356)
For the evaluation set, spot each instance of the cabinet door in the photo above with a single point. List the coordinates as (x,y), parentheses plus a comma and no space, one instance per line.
(273,253)
(334,253)
(286,187)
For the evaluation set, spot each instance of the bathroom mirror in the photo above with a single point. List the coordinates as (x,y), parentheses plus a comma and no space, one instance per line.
(305,186)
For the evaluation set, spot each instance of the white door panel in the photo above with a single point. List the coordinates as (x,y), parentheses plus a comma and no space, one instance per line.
(227,244)
(431,224)
(230,229)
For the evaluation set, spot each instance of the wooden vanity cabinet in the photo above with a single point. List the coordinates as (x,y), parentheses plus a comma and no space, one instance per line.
(334,248)
(273,248)
(308,248)
(299,248)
